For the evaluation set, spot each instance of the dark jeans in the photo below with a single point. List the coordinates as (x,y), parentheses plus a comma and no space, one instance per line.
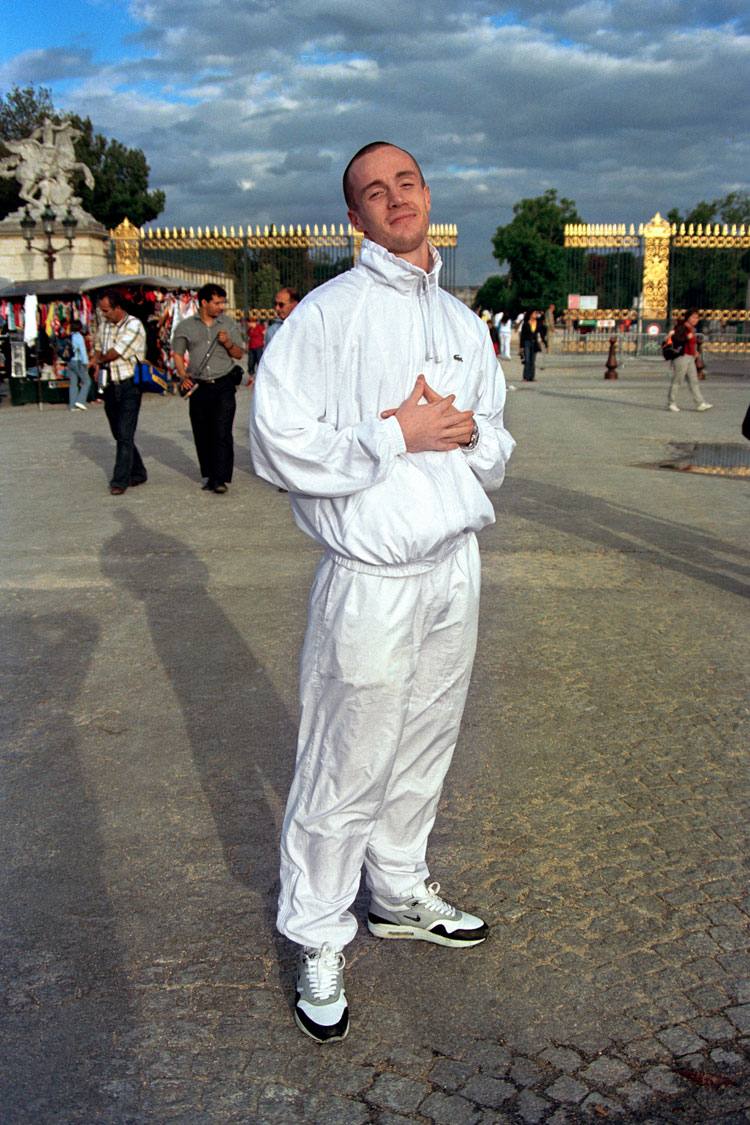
(212,409)
(529,360)
(122,401)
(254,360)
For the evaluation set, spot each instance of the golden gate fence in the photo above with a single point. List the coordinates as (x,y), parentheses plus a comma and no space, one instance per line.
(253,263)
(639,282)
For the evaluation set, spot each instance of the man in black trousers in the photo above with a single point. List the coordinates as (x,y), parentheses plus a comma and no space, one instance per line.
(214,343)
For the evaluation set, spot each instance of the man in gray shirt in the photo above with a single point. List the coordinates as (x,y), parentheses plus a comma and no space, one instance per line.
(214,343)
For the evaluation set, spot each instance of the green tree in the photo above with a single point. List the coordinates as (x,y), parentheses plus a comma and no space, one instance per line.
(731,208)
(494,294)
(120,173)
(711,277)
(120,179)
(532,245)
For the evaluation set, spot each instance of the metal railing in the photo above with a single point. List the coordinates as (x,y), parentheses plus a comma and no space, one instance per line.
(253,265)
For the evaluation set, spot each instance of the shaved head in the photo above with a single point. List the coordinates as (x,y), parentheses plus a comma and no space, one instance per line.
(373,145)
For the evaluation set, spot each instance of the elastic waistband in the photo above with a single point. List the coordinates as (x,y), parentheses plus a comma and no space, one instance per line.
(400,570)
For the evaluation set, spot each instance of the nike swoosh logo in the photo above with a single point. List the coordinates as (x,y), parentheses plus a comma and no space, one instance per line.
(413,917)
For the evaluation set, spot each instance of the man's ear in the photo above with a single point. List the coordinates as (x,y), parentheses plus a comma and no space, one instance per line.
(356,222)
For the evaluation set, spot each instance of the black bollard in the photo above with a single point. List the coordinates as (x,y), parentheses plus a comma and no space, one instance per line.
(610,371)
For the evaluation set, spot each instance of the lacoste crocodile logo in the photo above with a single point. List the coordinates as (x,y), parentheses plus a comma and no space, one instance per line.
(460,358)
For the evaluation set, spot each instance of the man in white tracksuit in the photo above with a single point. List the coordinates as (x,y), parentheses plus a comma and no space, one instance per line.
(380,409)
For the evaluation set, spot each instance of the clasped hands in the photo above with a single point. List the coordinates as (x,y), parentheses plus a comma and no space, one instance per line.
(435,424)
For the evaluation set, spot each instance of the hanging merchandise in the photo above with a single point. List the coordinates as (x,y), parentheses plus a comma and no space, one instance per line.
(30,328)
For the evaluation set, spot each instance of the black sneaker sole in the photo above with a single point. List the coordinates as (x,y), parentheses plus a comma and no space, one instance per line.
(319,1032)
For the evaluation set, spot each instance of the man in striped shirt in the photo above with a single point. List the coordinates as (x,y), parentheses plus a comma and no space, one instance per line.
(120,342)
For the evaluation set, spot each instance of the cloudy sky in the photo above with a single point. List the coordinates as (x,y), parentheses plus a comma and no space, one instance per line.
(248,111)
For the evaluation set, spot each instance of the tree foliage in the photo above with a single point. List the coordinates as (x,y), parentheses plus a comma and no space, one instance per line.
(532,245)
(120,173)
(732,208)
(494,294)
(708,277)
(120,179)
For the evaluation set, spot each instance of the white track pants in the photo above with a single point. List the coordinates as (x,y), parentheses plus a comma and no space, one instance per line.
(385,671)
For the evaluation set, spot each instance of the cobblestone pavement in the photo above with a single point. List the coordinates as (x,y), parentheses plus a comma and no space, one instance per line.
(596,813)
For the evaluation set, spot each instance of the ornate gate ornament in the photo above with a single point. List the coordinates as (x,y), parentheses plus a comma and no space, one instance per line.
(656,236)
(127,240)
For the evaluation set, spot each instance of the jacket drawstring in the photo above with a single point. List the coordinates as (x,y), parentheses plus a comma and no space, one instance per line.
(431,317)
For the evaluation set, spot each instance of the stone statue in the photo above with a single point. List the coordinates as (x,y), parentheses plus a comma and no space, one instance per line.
(44,164)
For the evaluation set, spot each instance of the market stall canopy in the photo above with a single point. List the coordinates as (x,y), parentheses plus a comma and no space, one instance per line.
(64,287)
(150,280)
(67,286)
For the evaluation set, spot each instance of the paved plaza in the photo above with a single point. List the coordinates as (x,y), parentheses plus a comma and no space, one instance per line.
(596,813)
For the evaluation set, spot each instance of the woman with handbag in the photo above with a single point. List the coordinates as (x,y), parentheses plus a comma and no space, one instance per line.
(685,342)
(530,342)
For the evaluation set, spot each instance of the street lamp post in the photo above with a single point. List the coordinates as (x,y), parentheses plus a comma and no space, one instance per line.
(48,218)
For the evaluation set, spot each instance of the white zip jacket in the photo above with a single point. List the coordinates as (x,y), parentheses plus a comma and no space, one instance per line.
(351,349)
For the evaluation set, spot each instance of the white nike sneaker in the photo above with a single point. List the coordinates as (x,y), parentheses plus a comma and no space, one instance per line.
(425,917)
(321,1010)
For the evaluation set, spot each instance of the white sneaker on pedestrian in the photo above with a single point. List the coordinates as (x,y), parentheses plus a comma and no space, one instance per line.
(321,1010)
(705,405)
(80,406)
(425,917)
(673,407)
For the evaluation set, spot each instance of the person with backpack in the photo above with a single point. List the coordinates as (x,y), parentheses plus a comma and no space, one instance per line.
(681,346)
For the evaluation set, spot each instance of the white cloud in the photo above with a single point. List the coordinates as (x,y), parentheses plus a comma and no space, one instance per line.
(625,108)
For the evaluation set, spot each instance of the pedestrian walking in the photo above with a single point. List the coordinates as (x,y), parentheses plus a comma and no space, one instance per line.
(530,343)
(685,341)
(214,344)
(120,343)
(77,368)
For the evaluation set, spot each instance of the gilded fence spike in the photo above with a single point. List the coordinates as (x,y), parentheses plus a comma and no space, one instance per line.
(231,232)
(192,234)
(265,231)
(726,229)
(315,230)
(307,230)
(325,230)
(734,230)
